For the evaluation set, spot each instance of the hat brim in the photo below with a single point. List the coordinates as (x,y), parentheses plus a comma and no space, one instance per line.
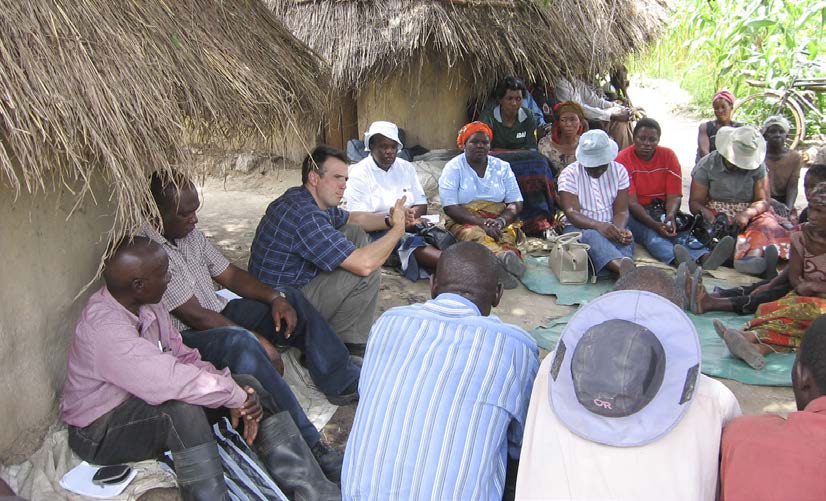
(590,160)
(385,133)
(682,349)
(724,141)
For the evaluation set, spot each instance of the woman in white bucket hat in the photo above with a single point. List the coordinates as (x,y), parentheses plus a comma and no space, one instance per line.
(593,192)
(732,181)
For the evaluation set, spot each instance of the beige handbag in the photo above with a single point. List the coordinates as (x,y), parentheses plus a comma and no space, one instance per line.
(569,259)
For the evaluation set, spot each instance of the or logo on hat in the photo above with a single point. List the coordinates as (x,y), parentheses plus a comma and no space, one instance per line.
(625,369)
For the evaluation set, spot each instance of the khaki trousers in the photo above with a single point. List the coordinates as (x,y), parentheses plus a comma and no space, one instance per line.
(345,300)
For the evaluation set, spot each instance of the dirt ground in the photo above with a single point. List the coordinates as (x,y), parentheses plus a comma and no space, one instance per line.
(232,207)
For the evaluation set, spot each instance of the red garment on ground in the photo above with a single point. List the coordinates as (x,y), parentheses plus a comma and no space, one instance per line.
(654,178)
(767,457)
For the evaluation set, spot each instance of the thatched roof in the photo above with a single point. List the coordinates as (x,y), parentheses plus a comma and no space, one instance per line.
(92,88)
(367,39)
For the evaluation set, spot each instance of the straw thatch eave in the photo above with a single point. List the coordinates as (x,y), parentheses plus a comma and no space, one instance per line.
(367,40)
(114,90)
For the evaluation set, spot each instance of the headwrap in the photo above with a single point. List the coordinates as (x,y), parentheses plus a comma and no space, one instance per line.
(776,120)
(725,95)
(471,129)
(568,107)
(818,195)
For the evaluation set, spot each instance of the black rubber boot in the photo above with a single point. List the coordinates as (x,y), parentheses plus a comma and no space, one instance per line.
(200,475)
(289,460)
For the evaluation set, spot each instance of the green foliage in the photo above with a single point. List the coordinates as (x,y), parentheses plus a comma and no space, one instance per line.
(713,44)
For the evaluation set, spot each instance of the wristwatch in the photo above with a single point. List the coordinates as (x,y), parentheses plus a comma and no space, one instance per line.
(280,294)
(387,221)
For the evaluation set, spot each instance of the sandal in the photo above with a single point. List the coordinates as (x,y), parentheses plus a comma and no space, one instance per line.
(681,282)
(696,282)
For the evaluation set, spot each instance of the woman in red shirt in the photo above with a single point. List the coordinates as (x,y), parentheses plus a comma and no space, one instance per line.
(654,199)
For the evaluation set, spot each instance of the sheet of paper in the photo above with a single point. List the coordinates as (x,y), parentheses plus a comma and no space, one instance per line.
(79,481)
(431,218)
(228,294)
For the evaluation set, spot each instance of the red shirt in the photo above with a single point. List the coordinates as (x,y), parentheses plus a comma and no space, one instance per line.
(654,178)
(767,457)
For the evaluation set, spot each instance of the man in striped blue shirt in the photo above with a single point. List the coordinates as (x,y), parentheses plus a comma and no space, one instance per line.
(444,391)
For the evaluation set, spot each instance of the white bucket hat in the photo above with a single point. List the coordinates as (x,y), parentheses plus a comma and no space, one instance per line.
(595,149)
(742,146)
(625,369)
(386,129)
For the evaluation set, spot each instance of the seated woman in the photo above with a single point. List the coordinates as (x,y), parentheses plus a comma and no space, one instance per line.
(732,181)
(482,200)
(778,326)
(723,103)
(744,300)
(593,192)
(783,165)
(657,188)
(514,141)
(376,183)
(559,147)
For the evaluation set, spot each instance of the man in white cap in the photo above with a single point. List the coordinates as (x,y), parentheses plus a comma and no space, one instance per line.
(620,410)
(782,163)
(305,240)
(378,181)
(593,192)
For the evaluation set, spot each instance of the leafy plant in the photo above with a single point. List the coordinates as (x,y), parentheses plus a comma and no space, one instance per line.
(715,44)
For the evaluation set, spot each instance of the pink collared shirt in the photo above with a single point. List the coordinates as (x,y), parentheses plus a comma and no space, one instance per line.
(767,457)
(115,355)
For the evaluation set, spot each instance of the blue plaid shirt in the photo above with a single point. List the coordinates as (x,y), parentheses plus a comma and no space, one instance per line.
(295,240)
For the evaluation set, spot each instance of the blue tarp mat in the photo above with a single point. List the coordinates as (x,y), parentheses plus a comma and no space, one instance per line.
(717,361)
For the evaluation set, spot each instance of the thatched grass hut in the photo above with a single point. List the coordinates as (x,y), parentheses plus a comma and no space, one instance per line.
(94,95)
(418,62)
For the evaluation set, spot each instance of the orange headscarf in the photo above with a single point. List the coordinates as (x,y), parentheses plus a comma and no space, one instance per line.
(471,129)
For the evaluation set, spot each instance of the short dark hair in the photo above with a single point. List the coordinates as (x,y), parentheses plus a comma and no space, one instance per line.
(817,171)
(509,83)
(164,186)
(317,157)
(812,351)
(650,123)
(651,279)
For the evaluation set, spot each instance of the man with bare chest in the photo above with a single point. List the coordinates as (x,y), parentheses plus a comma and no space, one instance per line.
(782,163)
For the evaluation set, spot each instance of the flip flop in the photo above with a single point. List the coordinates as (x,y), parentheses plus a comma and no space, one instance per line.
(696,283)
(740,347)
(771,255)
(721,253)
(681,255)
(680,281)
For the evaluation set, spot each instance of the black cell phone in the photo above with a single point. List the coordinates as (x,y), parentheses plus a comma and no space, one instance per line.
(111,474)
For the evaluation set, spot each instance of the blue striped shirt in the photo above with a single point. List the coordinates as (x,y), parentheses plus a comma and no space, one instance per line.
(443,397)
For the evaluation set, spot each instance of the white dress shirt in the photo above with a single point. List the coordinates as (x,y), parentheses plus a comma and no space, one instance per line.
(372,189)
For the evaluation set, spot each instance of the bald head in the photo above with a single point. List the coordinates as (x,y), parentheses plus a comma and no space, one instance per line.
(137,271)
(469,270)
(651,279)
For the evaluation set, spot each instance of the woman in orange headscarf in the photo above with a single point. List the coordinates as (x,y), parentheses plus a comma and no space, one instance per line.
(559,147)
(481,199)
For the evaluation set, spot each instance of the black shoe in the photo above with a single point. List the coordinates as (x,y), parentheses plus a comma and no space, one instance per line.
(329,459)
(350,395)
(356,349)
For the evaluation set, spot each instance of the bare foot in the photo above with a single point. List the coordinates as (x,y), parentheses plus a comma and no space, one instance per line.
(740,346)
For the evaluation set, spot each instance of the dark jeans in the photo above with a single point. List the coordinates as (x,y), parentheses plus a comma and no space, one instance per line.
(136,431)
(744,303)
(239,350)
(327,359)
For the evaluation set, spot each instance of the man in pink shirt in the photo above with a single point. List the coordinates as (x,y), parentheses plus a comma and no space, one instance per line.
(767,457)
(133,389)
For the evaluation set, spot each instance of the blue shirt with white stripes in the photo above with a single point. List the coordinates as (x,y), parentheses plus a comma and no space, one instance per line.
(443,397)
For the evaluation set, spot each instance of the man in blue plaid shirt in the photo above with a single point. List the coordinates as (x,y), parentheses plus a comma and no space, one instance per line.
(306,241)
